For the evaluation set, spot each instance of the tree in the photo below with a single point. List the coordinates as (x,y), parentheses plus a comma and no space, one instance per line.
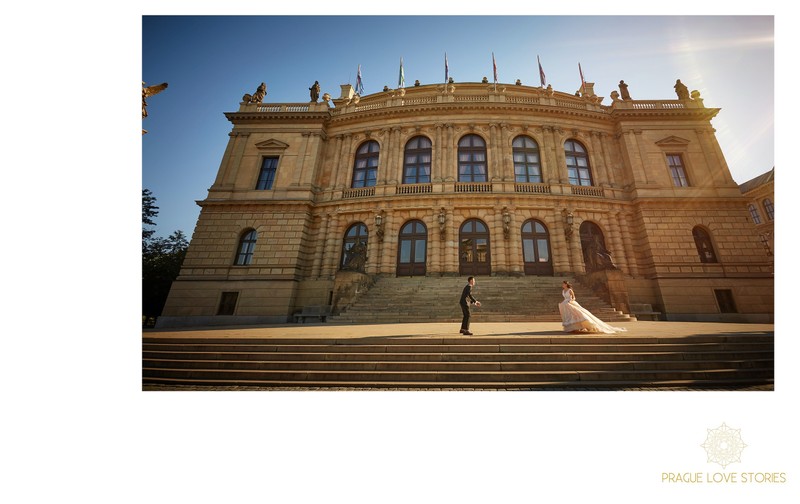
(161,260)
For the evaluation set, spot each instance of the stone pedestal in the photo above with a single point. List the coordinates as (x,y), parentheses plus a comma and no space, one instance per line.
(610,286)
(347,286)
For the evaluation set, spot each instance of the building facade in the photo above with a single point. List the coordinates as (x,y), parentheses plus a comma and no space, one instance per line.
(471,179)
(760,191)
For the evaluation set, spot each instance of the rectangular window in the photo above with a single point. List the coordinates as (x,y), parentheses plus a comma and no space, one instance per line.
(725,300)
(227,303)
(677,170)
(267,175)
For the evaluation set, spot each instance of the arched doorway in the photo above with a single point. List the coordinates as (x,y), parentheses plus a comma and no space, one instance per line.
(595,254)
(473,250)
(536,248)
(411,250)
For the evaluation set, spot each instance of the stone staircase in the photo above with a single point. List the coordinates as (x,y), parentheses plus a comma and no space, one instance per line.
(435,299)
(514,362)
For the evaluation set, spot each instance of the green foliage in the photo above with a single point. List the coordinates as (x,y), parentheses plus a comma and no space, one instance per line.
(161,260)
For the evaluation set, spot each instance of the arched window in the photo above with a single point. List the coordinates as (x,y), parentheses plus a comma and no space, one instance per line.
(472,159)
(365,171)
(411,250)
(768,208)
(417,161)
(527,165)
(474,252)
(354,248)
(247,244)
(536,248)
(577,163)
(754,214)
(705,249)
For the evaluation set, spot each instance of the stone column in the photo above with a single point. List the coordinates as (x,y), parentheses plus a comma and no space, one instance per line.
(345,162)
(301,158)
(494,154)
(319,245)
(615,243)
(626,227)
(550,168)
(642,155)
(437,161)
(450,168)
(598,160)
(575,249)
(506,154)
(561,158)
(560,247)
(398,159)
(613,177)
(332,253)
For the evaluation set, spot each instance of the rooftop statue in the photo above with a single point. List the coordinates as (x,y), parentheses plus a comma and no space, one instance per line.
(150,91)
(259,95)
(681,90)
(315,89)
(623,90)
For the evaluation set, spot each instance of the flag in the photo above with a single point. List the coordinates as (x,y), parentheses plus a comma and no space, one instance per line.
(401,81)
(583,82)
(494,68)
(446,69)
(359,84)
(542,78)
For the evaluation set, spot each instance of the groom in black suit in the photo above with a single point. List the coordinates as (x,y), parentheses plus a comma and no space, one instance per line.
(465,295)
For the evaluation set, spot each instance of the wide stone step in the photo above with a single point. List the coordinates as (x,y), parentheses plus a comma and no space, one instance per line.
(631,376)
(445,367)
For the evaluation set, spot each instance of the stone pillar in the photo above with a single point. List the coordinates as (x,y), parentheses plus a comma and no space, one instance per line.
(642,155)
(301,158)
(319,246)
(493,152)
(575,249)
(345,161)
(626,227)
(613,178)
(332,253)
(598,160)
(497,240)
(561,158)
(549,159)
(437,168)
(616,246)
(450,168)
(506,155)
(559,245)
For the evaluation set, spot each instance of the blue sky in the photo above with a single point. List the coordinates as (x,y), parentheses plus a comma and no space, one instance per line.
(211,61)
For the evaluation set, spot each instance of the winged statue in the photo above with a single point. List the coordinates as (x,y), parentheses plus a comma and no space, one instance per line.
(148,91)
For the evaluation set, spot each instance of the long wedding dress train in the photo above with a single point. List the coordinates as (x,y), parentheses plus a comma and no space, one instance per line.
(575,317)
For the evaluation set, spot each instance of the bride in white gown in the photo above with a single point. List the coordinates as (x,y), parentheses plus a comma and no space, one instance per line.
(576,318)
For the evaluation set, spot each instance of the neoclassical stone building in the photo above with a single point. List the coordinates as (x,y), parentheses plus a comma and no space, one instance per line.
(472,179)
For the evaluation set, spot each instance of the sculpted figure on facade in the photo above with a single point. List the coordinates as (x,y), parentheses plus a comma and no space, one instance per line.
(314,89)
(623,90)
(259,95)
(681,90)
(356,258)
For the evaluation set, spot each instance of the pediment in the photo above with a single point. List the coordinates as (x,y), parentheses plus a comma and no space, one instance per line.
(671,141)
(271,144)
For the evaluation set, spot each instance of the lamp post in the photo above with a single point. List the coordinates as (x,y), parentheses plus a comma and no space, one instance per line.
(506,223)
(569,220)
(379,225)
(442,220)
